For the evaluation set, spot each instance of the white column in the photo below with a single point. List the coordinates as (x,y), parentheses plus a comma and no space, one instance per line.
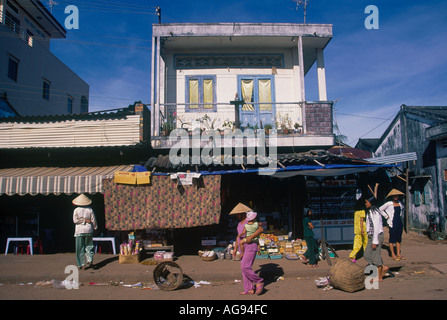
(302,87)
(156,114)
(322,93)
(153,88)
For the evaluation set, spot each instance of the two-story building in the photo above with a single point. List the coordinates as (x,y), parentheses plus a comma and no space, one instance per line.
(33,80)
(244,75)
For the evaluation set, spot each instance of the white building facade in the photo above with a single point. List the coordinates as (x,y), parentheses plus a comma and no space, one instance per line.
(250,75)
(35,81)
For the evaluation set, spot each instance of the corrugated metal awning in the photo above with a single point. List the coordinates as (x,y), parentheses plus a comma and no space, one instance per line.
(55,180)
(395,158)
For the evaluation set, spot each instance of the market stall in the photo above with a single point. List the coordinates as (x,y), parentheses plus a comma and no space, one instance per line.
(183,197)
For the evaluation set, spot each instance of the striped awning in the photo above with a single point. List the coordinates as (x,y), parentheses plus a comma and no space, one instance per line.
(55,180)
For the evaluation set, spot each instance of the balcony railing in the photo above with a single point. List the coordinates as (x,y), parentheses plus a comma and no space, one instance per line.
(314,118)
(14,27)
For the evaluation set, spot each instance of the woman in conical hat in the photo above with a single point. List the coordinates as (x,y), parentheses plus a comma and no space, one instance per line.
(252,283)
(240,211)
(395,192)
(240,208)
(393,211)
(85,222)
(82,200)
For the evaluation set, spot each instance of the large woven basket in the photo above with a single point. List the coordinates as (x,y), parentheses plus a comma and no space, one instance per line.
(347,276)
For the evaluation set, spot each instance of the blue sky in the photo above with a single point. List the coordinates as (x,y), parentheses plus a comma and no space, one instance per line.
(370,73)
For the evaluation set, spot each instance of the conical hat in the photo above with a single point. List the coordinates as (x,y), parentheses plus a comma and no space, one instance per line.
(82,200)
(395,192)
(240,208)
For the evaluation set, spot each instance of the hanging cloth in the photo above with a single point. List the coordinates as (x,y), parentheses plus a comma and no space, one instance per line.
(247,95)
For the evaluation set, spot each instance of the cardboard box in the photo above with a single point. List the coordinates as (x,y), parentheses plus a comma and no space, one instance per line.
(129,259)
(125,177)
(143,177)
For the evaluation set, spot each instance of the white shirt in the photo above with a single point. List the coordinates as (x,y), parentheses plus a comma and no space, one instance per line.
(376,219)
(80,215)
(387,211)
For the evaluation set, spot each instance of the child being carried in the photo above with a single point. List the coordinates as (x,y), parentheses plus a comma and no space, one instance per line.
(250,227)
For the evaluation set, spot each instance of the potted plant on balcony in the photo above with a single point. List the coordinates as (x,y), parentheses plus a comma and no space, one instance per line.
(206,123)
(166,128)
(267,128)
(228,125)
(284,123)
(169,123)
(298,128)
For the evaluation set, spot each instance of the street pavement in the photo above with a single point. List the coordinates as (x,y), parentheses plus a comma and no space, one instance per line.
(425,260)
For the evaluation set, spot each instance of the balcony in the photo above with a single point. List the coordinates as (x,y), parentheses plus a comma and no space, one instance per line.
(13,25)
(288,124)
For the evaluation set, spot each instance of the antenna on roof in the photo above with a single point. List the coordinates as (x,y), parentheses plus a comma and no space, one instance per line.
(158,13)
(51,4)
(302,3)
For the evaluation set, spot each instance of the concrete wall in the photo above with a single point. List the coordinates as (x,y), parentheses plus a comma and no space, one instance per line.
(37,64)
(286,86)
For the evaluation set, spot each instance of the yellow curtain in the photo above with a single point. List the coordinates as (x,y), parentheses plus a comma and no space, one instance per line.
(247,93)
(265,94)
(208,93)
(193,93)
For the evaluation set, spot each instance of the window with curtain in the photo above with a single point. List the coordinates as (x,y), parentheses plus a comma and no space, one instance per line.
(247,94)
(265,94)
(200,93)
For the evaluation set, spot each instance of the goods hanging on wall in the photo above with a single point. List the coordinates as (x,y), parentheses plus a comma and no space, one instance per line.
(332,204)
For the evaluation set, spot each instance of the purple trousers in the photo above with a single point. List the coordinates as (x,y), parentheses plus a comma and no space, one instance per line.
(249,277)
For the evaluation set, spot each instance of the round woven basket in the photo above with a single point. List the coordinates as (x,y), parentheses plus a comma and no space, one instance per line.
(347,276)
(168,276)
(214,257)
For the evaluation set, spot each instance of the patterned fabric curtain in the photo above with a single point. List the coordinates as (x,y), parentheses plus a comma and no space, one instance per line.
(193,93)
(265,94)
(208,95)
(162,204)
(247,94)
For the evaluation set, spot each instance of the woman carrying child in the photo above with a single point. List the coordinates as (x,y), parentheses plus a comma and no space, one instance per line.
(253,284)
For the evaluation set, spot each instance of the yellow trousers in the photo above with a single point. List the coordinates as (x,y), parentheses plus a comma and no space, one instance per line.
(360,240)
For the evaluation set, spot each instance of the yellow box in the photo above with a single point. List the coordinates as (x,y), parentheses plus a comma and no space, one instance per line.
(125,177)
(143,177)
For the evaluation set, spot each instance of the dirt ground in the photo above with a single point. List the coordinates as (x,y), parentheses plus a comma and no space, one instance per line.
(421,276)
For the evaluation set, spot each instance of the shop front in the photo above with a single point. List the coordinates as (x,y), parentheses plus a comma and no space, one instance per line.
(35,202)
(326,183)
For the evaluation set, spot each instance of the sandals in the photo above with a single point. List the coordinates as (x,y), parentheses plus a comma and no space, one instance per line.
(259,288)
(247,292)
(305,261)
(389,274)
